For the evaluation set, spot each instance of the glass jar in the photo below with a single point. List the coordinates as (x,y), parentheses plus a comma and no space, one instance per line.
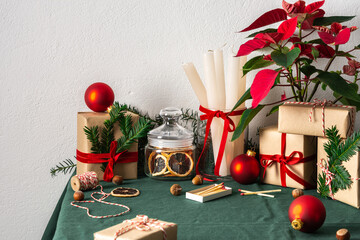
(170,151)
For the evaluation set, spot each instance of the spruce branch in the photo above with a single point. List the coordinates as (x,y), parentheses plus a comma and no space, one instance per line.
(139,130)
(338,151)
(65,167)
(92,134)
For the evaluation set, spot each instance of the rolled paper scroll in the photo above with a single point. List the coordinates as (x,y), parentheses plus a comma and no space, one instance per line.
(196,83)
(214,104)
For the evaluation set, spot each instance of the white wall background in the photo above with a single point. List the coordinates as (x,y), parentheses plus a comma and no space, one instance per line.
(51,50)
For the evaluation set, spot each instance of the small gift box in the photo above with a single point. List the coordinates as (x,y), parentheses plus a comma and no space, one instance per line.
(125,164)
(140,227)
(288,160)
(349,196)
(313,118)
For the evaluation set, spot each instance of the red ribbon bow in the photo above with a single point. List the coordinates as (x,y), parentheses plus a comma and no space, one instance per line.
(268,160)
(111,158)
(229,126)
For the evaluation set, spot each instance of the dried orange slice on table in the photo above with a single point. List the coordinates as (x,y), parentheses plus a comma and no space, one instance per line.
(157,164)
(180,164)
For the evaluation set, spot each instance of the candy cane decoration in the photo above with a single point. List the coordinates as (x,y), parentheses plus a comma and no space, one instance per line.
(142,223)
(89,180)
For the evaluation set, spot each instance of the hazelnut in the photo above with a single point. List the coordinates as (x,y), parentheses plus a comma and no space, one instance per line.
(117,180)
(78,196)
(197,180)
(343,234)
(175,189)
(297,193)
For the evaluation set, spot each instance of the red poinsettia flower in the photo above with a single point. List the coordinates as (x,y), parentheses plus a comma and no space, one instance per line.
(337,34)
(352,67)
(262,40)
(306,14)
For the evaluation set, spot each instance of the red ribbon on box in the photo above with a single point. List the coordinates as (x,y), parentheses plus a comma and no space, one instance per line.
(268,160)
(111,158)
(229,126)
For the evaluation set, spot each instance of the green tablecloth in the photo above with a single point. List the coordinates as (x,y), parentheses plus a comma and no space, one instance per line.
(231,217)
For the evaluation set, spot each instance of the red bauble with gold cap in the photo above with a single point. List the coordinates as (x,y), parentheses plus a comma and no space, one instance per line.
(99,96)
(245,169)
(307,213)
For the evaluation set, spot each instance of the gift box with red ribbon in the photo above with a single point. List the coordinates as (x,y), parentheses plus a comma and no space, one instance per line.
(141,227)
(287,160)
(349,196)
(123,164)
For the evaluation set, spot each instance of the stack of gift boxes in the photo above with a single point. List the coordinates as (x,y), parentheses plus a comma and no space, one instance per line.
(291,151)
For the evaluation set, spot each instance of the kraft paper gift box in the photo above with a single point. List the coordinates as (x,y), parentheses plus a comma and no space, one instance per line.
(294,117)
(153,233)
(89,119)
(271,142)
(349,196)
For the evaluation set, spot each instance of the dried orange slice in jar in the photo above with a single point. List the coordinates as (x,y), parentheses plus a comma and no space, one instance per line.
(180,164)
(157,164)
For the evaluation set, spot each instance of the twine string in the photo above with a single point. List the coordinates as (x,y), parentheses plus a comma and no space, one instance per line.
(329,176)
(142,223)
(89,180)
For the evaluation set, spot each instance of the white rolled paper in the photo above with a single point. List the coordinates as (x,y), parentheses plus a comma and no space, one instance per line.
(196,83)
(214,104)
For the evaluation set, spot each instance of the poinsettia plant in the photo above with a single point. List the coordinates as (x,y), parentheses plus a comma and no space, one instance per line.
(303,36)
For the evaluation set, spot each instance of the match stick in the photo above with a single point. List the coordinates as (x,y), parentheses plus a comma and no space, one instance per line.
(216,187)
(213,192)
(259,194)
(268,191)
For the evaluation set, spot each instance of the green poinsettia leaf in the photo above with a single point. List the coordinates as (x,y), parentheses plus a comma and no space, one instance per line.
(245,119)
(317,41)
(315,53)
(323,86)
(344,54)
(243,98)
(273,110)
(325,21)
(339,85)
(256,63)
(269,30)
(347,101)
(308,70)
(307,61)
(285,59)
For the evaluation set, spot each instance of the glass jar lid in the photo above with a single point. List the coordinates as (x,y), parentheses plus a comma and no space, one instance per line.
(170,134)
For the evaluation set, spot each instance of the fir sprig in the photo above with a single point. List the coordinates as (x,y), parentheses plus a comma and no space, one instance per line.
(337,153)
(140,129)
(92,135)
(64,167)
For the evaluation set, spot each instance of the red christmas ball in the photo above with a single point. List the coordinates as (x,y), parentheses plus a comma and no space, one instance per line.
(99,96)
(307,213)
(245,168)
